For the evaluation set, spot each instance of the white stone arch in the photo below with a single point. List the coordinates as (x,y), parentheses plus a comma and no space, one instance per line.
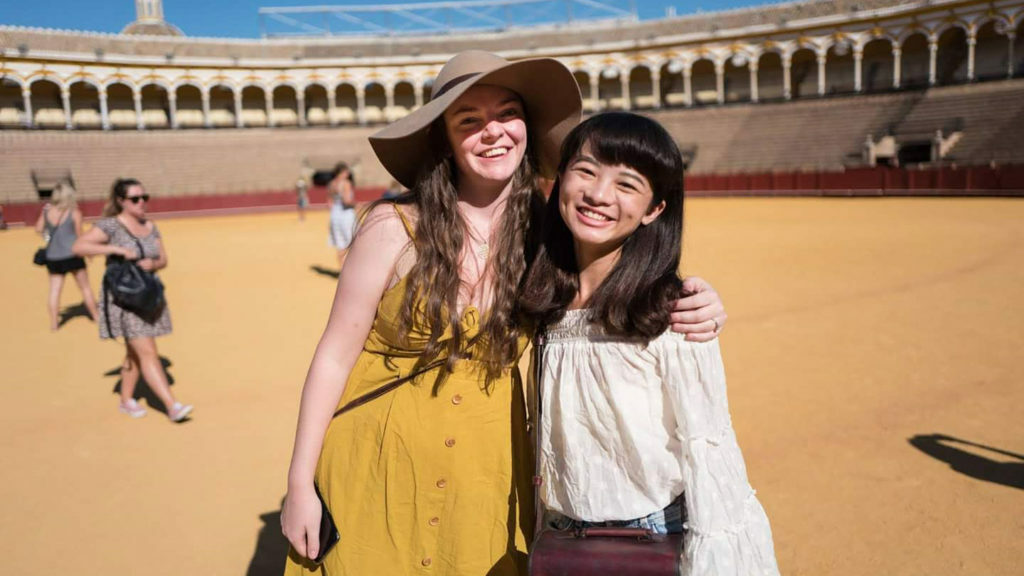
(38,76)
(284,113)
(640,84)
(346,102)
(254,112)
(953,61)
(315,110)
(86,112)
(188,112)
(739,70)
(403,97)
(993,52)
(12,100)
(702,68)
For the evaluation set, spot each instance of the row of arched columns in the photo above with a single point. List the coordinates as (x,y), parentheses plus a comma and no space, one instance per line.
(48,102)
(951,51)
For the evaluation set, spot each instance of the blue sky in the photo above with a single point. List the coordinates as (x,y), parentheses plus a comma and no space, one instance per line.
(238,18)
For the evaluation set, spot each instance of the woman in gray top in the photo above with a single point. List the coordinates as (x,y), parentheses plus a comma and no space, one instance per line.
(61,223)
(126,232)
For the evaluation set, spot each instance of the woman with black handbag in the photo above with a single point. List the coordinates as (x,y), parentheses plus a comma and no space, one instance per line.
(131,299)
(639,468)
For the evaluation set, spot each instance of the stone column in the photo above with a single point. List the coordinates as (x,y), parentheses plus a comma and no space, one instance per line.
(787,77)
(26,102)
(720,81)
(361,104)
(172,108)
(656,87)
(595,90)
(933,56)
(300,106)
(389,100)
(417,90)
(65,98)
(897,66)
(205,94)
(822,59)
(238,109)
(754,93)
(137,97)
(972,41)
(858,68)
(269,93)
(688,84)
(624,82)
(1011,37)
(332,101)
(104,110)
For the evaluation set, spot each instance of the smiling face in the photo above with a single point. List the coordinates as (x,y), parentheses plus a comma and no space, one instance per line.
(133,202)
(486,128)
(602,204)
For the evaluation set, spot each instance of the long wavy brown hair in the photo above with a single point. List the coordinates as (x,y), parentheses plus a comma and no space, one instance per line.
(432,291)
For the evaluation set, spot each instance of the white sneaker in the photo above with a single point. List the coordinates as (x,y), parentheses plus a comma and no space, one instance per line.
(132,408)
(179,412)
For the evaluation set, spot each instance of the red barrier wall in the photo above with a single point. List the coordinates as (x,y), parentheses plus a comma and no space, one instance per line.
(868,181)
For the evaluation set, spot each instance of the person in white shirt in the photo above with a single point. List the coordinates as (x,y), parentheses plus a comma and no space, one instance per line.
(635,428)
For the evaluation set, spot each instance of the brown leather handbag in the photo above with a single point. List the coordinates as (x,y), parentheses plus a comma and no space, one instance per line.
(594,550)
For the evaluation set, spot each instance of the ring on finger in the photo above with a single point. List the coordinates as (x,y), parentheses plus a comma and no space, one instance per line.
(717,326)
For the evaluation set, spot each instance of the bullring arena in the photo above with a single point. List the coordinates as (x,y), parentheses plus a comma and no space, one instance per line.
(855,180)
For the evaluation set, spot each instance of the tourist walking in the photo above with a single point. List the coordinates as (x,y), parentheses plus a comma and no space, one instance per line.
(342,220)
(60,223)
(126,233)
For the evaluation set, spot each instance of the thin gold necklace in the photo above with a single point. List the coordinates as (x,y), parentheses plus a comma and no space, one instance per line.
(484,249)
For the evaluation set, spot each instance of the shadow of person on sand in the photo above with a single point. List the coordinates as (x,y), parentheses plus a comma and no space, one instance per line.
(142,389)
(941,447)
(323,271)
(271,547)
(73,311)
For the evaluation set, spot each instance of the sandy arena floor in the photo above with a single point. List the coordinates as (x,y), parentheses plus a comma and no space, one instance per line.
(855,326)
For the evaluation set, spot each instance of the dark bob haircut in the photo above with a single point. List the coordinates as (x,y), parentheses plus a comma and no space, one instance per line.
(634,300)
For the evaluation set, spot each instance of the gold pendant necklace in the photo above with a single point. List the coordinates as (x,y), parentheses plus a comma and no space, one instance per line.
(483,250)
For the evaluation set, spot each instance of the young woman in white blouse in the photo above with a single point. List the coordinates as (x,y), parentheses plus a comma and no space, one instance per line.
(636,429)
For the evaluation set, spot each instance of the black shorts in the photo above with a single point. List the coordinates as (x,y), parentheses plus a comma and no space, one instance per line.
(66,265)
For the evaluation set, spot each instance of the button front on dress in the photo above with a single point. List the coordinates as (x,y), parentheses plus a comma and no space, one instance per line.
(457,399)
(449,442)
(426,561)
(441,483)
(434,521)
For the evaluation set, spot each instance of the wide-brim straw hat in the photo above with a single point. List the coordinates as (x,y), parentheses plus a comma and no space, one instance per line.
(548,90)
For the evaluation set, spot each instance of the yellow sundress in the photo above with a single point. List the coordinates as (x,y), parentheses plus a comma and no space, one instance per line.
(428,479)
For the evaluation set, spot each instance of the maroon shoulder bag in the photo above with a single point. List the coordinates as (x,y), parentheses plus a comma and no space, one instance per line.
(595,550)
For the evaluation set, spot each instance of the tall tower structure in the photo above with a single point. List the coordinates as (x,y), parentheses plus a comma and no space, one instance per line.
(149,20)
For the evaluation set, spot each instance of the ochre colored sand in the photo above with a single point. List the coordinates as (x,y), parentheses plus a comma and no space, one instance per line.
(855,324)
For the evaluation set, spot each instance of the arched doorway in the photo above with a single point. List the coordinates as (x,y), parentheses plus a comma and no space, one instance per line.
(704,82)
(609,90)
(47,105)
(155,106)
(121,107)
(374,103)
(839,68)
(737,78)
(405,100)
(286,107)
(85,106)
(770,82)
(804,73)
(673,87)
(951,62)
(12,105)
(254,107)
(877,66)
(641,88)
(914,61)
(315,101)
(991,52)
(189,106)
(345,104)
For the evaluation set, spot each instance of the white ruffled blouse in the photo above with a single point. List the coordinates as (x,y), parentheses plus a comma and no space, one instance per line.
(628,427)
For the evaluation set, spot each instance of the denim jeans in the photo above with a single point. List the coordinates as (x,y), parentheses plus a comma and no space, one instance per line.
(671,520)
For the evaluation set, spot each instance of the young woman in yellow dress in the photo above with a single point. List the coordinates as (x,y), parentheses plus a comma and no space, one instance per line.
(434,476)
